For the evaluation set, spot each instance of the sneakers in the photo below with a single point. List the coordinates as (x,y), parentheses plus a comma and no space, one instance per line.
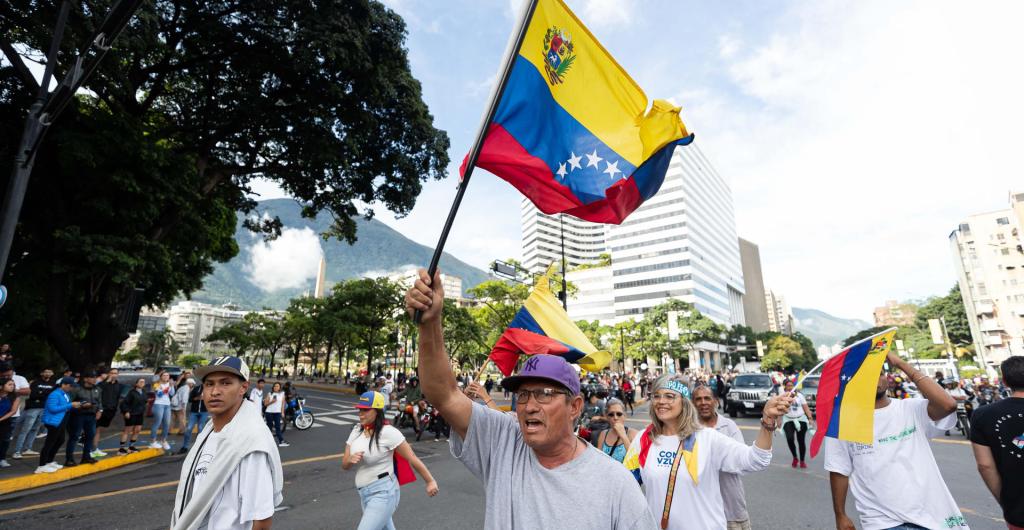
(46,469)
(55,465)
(122,451)
(166,446)
(69,463)
(133,449)
(794,462)
(97,454)
(803,465)
(183,451)
(88,460)
(4,463)
(156,445)
(284,444)
(29,452)
(16,456)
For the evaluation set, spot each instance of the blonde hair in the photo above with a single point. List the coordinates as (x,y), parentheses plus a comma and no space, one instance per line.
(686,424)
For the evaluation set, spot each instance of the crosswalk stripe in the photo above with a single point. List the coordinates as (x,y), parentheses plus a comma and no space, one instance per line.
(334,421)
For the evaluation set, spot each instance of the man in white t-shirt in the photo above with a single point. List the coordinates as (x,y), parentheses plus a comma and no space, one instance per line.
(733,497)
(231,478)
(385,389)
(895,480)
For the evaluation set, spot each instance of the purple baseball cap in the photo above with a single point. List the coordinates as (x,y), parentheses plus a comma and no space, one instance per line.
(548,367)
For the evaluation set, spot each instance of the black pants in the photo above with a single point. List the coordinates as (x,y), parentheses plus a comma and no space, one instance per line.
(800,435)
(54,438)
(5,436)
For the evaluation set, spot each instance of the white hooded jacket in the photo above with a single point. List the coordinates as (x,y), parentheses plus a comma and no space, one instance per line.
(245,434)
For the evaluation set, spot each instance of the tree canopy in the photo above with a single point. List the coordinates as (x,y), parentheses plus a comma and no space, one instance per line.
(139,182)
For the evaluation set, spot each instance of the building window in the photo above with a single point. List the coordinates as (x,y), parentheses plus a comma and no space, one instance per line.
(648,268)
(1004,251)
(1002,221)
(653,281)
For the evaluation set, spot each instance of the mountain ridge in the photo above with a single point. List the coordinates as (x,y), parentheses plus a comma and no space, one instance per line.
(825,329)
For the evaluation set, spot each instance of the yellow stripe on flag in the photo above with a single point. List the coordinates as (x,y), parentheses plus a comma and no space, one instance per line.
(857,423)
(552,318)
(598,92)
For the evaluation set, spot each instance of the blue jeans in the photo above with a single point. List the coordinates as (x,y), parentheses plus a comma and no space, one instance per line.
(194,419)
(161,418)
(274,423)
(79,423)
(379,500)
(31,423)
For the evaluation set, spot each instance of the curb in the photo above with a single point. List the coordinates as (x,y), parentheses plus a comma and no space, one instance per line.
(25,482)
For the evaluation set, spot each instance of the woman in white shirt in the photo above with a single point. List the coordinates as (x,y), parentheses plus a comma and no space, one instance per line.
(163,391)
(372,446)
(274,403)
(684,492)
(795,423)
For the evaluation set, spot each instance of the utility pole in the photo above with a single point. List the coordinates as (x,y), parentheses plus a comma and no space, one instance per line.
(564,295)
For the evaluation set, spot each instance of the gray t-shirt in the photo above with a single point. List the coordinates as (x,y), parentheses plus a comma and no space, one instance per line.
(733,497)
(592,491)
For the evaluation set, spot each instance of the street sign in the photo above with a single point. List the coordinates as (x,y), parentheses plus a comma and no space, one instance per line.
(3,295)
(935,327)
(504,269)
(673,325)
(760,349)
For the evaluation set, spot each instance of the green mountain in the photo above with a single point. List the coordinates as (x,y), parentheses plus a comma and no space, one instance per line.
(379,250)
(825,329)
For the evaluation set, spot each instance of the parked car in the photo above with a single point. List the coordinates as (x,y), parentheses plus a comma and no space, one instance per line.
(810,390)
(748,394)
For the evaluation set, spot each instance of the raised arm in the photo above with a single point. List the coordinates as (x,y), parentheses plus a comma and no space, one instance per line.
(940,403)
(436,375)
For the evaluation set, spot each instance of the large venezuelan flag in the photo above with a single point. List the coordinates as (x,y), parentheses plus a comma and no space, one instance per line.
(846,391)
(572,130)
(542,326)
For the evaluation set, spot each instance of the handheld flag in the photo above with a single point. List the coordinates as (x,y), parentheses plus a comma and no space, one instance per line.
(542,326)
(846,391)
(572,131)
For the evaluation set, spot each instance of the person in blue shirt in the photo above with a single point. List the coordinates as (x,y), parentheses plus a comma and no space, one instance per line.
(55,415)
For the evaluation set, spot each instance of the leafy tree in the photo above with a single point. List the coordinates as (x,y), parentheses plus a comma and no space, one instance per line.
(776,360)
(693,326)
(238,336)
(863,334)
(157,346)
(463,338)
(950,307)
(499,303)
(299,327)
(598,334)
(191,360)
(376,305)
(783,352)
(139,181)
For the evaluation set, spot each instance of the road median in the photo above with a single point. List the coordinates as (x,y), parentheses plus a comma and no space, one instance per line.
(34,480)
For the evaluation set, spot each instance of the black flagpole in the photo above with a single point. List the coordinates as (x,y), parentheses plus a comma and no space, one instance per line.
(481,134)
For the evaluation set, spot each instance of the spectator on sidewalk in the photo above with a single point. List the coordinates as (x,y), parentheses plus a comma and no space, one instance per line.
(274,404)
(256,393)
(163,390)
(997,437)
(232,478)
(83,419)
(133,408)
(180,402)
(9,402)
(32,414)
(55,418)
(110,398)
(197,416)
(21,389)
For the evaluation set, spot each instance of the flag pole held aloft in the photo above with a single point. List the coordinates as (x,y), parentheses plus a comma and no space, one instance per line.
(481,135)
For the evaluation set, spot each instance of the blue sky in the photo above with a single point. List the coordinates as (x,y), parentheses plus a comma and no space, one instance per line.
(855,135)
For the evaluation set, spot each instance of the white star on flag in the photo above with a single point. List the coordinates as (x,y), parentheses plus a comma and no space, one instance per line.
(612,169)
(561,171)
(593,159)
(574,162)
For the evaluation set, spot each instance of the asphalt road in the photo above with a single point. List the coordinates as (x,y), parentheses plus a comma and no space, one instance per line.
(318,494)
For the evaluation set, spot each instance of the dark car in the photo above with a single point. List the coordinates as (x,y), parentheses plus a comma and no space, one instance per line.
(810,390)
(748,394)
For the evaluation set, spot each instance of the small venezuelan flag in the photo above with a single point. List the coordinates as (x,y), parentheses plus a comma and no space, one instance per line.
(542,326)
(572,130)
(846,391)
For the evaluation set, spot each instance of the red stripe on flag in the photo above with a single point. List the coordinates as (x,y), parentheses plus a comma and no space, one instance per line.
(828,390)
(620,201)
(515,341)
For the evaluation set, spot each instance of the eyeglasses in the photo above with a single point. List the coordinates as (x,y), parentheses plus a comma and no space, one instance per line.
(543,395)
(616,414)
(667,396)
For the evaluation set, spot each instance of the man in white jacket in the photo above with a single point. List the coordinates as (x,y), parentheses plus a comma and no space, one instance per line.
(231,478)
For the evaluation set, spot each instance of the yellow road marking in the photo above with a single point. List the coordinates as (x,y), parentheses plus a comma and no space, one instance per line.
(52,503)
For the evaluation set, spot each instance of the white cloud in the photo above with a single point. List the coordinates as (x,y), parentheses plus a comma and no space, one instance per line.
(608,13)
(290,261)
(728,45)
(856,139)
(382,273)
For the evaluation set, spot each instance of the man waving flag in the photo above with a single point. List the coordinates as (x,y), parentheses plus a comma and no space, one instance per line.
(572,130)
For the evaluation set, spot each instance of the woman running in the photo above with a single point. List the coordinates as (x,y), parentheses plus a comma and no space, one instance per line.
(680,486)
(372,446)
(615,440)
(794,424)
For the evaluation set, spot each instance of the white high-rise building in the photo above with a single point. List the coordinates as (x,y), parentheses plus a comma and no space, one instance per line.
(594,298)
(452,284)
(191,322)
(541,242)
(682,244)
(780,316)
(989,261)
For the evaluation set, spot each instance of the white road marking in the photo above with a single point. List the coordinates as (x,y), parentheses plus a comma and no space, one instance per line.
(334,421)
